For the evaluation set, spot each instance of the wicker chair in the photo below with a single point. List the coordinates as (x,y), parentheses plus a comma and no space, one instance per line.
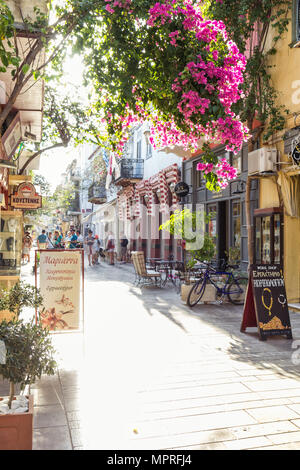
(142,276)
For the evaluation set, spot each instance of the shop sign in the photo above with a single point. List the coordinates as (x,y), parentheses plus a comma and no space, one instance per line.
(266,302)
(296,153)
(60,287)
(26,197)
(12,136)
(182,189)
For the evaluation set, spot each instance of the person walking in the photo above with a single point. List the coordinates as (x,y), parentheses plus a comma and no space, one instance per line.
(42,240)
(95,249)
(89,242)
(124,244)
(110,248)
(27,244)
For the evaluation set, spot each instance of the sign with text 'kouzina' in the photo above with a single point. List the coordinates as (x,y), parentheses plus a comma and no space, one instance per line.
(60,283)
(266,302)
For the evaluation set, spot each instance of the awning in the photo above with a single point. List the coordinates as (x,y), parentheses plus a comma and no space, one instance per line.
(290,189)
(131,196)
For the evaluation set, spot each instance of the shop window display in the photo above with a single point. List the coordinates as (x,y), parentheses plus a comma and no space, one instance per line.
(268,236)
(10,242)
(236,220)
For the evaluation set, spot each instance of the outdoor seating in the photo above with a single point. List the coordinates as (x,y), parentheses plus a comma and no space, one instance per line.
(142,275)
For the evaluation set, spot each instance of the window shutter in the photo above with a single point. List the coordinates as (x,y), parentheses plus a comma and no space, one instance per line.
(295,24)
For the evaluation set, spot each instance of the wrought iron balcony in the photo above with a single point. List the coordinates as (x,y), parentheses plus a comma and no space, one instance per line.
(97,194)
(130,170)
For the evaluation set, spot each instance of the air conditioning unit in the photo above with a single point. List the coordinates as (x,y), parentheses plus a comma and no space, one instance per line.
(262,160)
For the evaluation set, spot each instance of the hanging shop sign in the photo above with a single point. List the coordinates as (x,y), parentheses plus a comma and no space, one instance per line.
(60,283)
(296,153)
(12,136)
(266,302)
(182,189)
(26,197)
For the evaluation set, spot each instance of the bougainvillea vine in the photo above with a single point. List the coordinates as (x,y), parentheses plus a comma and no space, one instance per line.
(185,76)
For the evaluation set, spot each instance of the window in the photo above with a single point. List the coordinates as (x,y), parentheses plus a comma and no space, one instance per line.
(129,147)
(295,24)
(212,223)
(236,162)
(139,149)
(139,146)
(148,150)
(199,181)
(236,224)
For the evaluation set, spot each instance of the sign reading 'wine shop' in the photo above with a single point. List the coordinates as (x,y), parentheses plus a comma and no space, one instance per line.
(266,302)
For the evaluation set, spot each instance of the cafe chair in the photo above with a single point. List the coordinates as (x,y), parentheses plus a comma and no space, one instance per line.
(142,275)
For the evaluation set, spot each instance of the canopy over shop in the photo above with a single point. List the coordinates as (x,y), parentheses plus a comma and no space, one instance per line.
(144,207)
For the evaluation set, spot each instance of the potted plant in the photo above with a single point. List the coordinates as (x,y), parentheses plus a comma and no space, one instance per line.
(206,253)
(184,225)
(234,255)
(21,295)
(28,354)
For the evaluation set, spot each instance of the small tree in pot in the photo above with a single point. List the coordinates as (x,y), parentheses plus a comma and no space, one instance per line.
(29,354)
(21,295)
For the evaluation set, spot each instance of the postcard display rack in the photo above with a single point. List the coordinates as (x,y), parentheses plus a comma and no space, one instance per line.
(268,236)
(10,246)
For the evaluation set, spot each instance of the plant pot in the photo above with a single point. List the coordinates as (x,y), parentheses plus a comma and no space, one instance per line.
(185,290)
(16,430)
(208,296)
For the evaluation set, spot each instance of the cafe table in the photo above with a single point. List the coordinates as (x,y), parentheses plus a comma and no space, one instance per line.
(166,266)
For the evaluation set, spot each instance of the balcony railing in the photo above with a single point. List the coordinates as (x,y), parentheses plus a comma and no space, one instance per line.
(129,170)
(97,194)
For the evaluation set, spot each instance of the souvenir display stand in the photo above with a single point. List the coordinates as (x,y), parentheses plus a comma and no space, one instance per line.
(10,252)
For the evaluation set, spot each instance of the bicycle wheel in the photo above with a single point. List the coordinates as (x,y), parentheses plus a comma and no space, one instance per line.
(196,293)
(237,290)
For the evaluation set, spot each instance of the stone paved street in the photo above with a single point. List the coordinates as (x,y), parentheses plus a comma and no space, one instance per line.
(149,373)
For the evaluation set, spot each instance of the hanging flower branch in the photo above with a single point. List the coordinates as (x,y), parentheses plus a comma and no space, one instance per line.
(166,64)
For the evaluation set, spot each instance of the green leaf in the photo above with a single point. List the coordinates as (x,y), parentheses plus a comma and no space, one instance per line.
(25,68)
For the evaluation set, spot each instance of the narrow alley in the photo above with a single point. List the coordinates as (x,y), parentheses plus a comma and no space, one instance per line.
(149,373)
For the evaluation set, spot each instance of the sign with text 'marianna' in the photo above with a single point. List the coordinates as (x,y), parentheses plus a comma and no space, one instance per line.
(60,284)
(26,197)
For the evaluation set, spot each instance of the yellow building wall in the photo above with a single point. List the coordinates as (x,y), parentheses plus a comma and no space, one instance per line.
(268,194)
(269,198)
(285,73)
(292,258)
(286,80)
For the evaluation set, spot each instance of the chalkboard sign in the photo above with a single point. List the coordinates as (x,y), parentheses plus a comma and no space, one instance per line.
(266,302)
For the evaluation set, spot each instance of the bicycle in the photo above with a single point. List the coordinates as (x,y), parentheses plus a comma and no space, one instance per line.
(232,286)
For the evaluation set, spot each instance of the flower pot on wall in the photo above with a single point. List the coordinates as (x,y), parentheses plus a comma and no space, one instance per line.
(16,430)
